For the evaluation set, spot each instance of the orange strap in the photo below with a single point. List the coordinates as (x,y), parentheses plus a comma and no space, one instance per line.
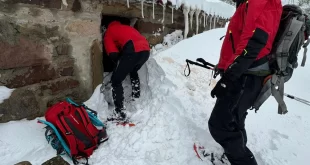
(266,79)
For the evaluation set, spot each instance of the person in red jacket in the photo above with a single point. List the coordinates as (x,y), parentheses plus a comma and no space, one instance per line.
(244,65)
(129,50)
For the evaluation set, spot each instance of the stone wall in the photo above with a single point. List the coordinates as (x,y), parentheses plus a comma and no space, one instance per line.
(46,48)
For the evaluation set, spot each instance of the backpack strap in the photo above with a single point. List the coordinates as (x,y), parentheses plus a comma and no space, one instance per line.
(278,94)
(282,53)
(269,88)
(305,53)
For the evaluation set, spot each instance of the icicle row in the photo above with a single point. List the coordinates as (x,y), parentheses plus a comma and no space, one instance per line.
(185,12)
(142,11)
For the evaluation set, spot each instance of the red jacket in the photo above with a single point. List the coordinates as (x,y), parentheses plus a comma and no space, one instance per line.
(249,35)
(117,35)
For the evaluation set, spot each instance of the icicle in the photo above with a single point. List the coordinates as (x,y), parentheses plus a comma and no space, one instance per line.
(153,9)
(127,3)
(214,20)
(185,12)
(64,2)
(210,19)
(172,14)
(191,14)
(164,9)
(204,19)
(142,12)
(197,12)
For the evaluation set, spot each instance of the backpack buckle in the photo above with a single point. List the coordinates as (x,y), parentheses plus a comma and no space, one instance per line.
(285,54)
(289,33)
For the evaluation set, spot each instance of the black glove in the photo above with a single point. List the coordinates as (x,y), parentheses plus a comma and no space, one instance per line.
(114,57)
(223,87)
(217,71)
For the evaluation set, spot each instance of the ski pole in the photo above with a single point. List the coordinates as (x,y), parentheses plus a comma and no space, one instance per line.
(204,62)
(194,63)
(297,99)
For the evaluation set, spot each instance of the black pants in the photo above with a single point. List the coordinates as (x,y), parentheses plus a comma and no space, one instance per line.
(129,63)
(226,123)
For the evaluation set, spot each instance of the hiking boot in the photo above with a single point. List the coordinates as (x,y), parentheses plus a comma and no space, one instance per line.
(120,114)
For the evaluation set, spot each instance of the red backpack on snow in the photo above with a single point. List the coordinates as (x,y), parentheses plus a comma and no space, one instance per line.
(73,128)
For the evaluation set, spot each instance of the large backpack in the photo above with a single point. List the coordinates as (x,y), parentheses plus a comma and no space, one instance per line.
(71,129)
(283,58)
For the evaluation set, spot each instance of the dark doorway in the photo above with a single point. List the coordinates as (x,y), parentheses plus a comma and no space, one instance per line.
(108,65)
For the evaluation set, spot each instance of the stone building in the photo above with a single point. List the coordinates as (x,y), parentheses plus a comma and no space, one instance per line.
(51,49)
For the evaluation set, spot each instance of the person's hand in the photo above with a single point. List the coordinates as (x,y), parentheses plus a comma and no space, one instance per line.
(223,86)
(114,57)
(217,71)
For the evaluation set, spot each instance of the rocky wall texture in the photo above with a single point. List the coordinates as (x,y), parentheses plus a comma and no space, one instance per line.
(46,47)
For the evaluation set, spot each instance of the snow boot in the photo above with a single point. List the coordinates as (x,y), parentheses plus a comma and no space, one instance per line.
(135,84)
(120,114)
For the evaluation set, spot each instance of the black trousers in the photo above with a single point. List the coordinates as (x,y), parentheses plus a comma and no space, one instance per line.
(129,63)
(226,123)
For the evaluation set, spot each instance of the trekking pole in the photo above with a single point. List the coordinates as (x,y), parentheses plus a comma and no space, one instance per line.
(297,99)
(204,65)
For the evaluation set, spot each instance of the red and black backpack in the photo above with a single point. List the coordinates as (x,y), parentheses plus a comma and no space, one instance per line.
(74,131)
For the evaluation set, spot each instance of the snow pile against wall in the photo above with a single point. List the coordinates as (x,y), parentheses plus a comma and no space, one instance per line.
(169,40)
(5,93)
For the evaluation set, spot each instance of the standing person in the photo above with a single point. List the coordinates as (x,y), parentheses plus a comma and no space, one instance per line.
(129,50)
(248,41)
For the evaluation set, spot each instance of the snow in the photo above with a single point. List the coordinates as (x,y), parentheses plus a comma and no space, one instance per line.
(5,93)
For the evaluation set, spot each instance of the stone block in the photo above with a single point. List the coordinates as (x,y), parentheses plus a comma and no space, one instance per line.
(24,53)
(148,27)
(21,104)
(21,77)
(58,160)
(84,27)
(23,163)
(43,3)
(60,85)
(63,49)
(155,39)
(65,65)
(68,71)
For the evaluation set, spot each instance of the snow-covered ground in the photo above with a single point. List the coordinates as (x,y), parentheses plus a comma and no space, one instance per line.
(172,114)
